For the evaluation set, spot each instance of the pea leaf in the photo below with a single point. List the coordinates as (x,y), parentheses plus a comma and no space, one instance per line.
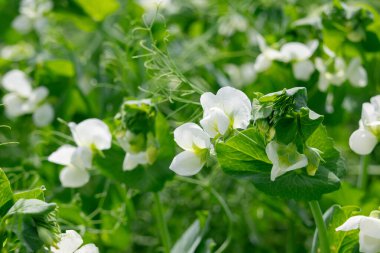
(33,207)
(23,226)
(244,155)
(36,193)
(6,194)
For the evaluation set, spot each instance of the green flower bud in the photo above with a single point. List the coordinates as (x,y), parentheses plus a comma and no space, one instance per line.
(313,158)
(48,237)
(375,214)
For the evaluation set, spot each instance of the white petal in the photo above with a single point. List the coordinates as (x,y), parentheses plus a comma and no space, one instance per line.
(236,105)
(369,113)
(82,158)
(320,65)
(262,63)
(62,155)
(91,132)
(356,74)
(13,105)
(371,227)
(73,178)
(44,115)
(208,101)
(216,122)
(69,243)
(362,142)
(88,248)
(189,135)
(302,70)
(375,101)
(186,163)
(350,224)
(368,244)
(131,160)
(16,81)
(36,97)
(22,24)
(323,83)
(296,51)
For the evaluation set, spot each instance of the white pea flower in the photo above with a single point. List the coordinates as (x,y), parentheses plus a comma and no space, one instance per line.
(32,15)
(22,99)
(228,108)
(232,23)
(284,158)
(71,242)
(356,74)
(132,160)
(17,52)
(90,135)
(364,140)
(298,54)
(267,56)
(196,144)
(369,235)
(241,75)
(327,77)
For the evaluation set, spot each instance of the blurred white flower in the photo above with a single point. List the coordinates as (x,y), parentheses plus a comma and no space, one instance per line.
(298,54)
(31,16)
(356,74)
(21,99)
(241,75)
(90,135)
(17,52)
(229,107)
(330,72)
(196,144)
(364,140)
(267,56)
(132,160)
(232,23)
(369,235)
(71,242)
(284,158)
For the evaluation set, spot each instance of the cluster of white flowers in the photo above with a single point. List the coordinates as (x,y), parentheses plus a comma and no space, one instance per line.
(228,109)
(90,136)
(32,15)
(369,235)
(364,140)
(71,242)
(231,23)
(333,71)
(21,99)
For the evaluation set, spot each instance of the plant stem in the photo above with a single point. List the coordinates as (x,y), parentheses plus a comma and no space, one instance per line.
(363,172)
(321,227)
(162,227)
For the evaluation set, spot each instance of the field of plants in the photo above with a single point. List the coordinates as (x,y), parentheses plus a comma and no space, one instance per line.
(197,126)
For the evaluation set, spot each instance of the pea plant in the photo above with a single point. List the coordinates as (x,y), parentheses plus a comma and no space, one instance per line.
(189,126)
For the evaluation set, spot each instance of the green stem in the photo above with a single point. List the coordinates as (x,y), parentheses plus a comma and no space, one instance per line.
(162,227)
(363,172)
(321,227)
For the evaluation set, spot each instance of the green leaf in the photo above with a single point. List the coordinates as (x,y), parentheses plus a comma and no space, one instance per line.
(26,231)
(191,239)
(60,67)
(33,207)
(6,194)
(244,155)
(98,10)
(341,241)
(36,193)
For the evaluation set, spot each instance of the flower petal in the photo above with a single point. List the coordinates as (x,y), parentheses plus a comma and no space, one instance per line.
(13,105)
(82,158)
(351,224)
(91,132)
(302,70)
(362,142)
(17,81)
(186,163)
(73,178)
(216,122)
(44,115)
(236,105)
(189,135)
(88,248)
(69,243)
(131,160)
(356,74)
(262,63)
(295,51)
(370,226)
(62,155)
(368,244)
